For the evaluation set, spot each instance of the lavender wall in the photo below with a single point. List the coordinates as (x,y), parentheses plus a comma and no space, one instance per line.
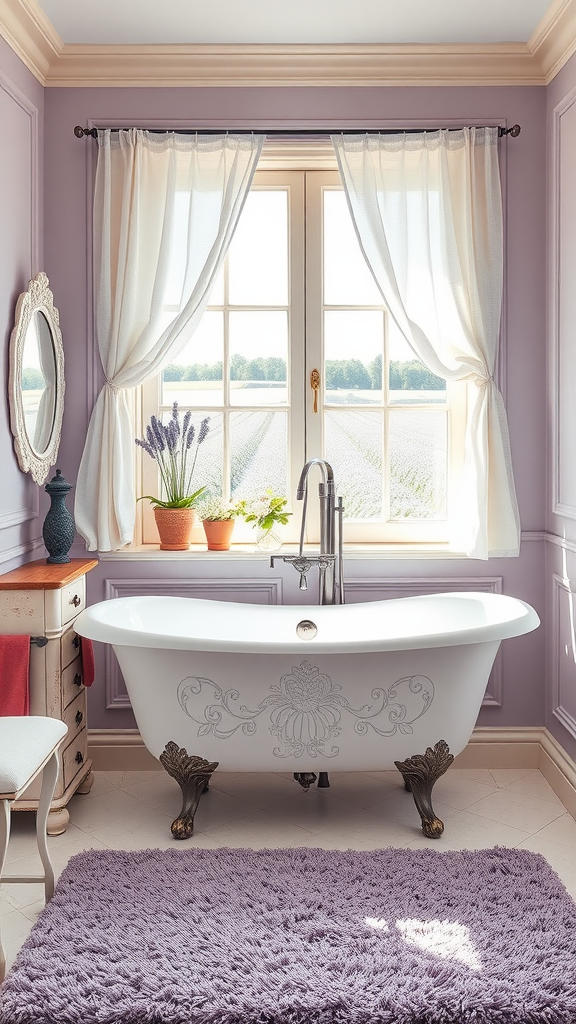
(561,400)
(21,257)
(518,697)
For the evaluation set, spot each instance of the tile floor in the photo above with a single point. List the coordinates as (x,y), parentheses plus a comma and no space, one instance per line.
(134,810)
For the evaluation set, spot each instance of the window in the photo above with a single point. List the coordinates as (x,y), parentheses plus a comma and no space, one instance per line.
(295,296)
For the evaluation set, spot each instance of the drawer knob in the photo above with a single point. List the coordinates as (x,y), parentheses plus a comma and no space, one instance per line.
(76,601)
(77,679)
(79,757)
(79,717)
(76,642)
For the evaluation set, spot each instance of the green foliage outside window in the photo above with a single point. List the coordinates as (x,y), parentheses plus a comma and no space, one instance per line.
(345,374)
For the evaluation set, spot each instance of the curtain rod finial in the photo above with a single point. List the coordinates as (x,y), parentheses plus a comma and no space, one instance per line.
(81,132)
(513,132)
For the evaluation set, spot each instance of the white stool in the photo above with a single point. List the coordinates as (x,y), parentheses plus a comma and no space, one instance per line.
(28,746)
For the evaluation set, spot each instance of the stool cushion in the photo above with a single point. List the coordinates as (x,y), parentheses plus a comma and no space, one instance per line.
(25,743)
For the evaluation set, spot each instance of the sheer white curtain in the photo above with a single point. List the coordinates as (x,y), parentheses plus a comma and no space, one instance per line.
(155,194)
(427,208)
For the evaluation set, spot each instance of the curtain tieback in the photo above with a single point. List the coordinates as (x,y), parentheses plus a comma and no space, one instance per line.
(113,387)
(483,381)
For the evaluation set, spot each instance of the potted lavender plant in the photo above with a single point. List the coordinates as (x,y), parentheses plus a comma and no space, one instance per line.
(174,446)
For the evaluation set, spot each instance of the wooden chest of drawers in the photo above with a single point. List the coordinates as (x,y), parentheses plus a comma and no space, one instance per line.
(43,600)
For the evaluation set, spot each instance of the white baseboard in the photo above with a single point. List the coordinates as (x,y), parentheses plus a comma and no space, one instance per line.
(559,770)
(120,750)
(123,750)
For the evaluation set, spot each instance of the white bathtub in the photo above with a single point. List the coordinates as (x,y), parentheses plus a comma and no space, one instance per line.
(379,682)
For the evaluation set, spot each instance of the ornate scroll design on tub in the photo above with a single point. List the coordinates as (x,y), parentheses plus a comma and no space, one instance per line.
(306,710)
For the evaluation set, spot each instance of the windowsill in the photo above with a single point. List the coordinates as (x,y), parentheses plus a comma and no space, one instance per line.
(247,552)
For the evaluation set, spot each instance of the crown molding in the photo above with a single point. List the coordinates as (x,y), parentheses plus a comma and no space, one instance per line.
(278,65)
(554,40)
(33,38)
(31,35)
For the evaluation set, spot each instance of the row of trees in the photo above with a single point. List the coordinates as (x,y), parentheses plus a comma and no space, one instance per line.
(32,379)
(341,374)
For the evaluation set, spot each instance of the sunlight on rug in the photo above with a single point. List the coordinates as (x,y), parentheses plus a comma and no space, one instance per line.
(300,936)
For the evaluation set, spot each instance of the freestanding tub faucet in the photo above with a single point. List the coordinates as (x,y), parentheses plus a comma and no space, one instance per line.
(329,559)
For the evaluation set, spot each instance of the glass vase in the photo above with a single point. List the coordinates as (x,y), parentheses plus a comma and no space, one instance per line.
(268,540)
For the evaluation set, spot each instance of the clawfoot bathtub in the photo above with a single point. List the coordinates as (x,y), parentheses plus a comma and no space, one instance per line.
(359,687)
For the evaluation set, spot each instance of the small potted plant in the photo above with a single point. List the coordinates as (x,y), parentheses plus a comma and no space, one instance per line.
(175,446)
(266,513)
(218,518)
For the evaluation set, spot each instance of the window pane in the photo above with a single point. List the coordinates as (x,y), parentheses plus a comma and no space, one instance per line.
(216,297)
(353,445)
(195,376)
(258,453)
(353,348)
(258,357)
(258,253)
(409,380)
(418,459)
(347,279)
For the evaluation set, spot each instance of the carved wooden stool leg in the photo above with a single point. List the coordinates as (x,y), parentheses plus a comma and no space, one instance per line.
(192,775)
(420,773)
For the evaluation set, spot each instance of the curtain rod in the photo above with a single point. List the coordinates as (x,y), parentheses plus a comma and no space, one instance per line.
(79,132)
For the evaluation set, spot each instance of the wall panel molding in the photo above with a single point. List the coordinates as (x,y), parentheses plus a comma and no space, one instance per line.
(564,589)
(27,496)
(32,112)
(560,542)
(30,547)
(559,507)
(14,517)
(259,591)
(270,592)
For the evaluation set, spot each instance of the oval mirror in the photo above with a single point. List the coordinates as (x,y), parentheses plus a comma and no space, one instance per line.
(36,380)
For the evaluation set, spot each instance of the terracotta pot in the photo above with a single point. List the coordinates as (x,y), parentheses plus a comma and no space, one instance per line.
(218,533)
(175,527)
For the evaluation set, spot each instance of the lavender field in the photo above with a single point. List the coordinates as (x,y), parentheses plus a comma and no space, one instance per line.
(417,470)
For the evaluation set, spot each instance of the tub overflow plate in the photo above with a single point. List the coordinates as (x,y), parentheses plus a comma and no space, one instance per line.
(306,629)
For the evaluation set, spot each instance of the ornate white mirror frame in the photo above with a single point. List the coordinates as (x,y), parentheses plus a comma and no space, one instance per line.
(36,412)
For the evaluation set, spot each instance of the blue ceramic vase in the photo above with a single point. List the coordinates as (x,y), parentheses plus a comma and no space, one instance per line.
(58,529)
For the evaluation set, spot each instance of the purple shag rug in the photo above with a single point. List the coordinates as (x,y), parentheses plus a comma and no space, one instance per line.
(300,936)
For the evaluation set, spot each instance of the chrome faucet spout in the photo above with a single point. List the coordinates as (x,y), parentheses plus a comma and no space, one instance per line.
(325,469)
(326,496)
(329,558)
(331,590)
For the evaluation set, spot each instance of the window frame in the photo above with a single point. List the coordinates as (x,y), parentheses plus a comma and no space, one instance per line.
(306,347)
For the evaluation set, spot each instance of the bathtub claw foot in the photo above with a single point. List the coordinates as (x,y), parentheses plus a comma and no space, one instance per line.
(420,773)
(193,776)
(305,779)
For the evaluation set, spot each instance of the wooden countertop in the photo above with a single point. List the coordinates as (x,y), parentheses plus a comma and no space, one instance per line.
(39,575)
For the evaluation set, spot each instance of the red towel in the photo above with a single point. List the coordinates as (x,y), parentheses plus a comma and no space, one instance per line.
(87,661)
(14,675)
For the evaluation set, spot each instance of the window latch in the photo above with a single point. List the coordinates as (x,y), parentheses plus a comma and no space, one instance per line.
(315,385)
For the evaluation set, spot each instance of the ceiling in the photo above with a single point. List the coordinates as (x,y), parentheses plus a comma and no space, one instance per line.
(282,43)
(295,21)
